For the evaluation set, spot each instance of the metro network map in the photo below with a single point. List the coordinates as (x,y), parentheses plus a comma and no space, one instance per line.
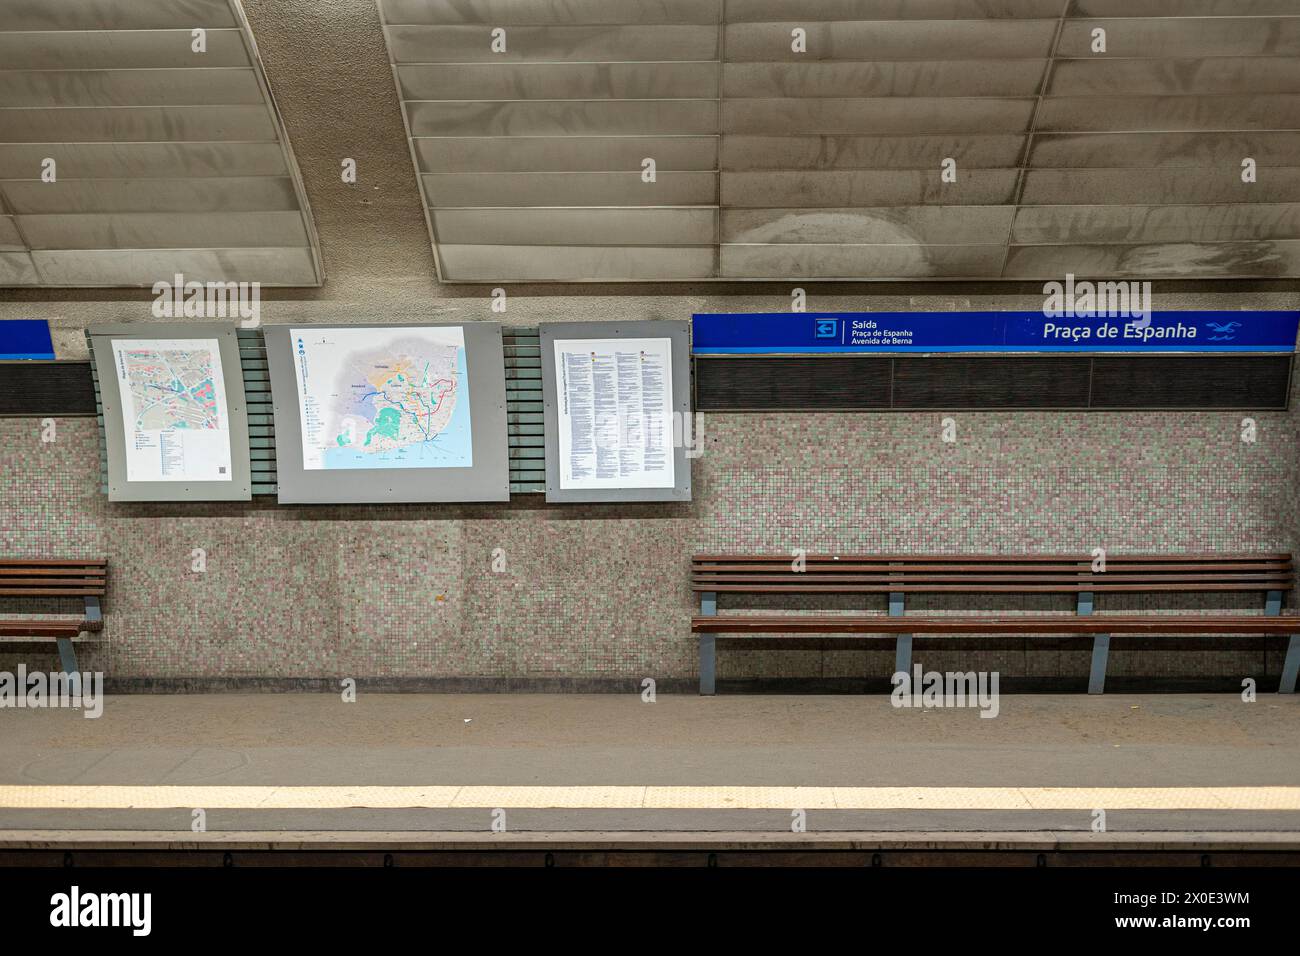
(174,411)
(383,397)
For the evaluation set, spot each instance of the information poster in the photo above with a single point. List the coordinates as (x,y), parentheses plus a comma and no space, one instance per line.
(615,413)
(383,398)
(174,412)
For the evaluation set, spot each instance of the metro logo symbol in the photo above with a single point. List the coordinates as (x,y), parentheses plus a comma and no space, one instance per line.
(826,328)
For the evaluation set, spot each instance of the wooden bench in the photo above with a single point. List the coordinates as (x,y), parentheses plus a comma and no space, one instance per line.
(53,579)
(900,575)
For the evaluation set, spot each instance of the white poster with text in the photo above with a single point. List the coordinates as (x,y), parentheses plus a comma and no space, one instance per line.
(615,413)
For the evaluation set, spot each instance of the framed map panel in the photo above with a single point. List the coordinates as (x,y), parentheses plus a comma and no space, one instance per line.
(175,422)
(389,413)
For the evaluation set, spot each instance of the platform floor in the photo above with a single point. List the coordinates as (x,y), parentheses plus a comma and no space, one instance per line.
(1182,766)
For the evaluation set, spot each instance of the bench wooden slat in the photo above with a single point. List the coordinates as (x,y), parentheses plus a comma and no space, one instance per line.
(1020,624)
(51,582)
(1095,586)
(1005,558)
(1079,567)
(21,639)
(86,572)
(998,567)
(53,563)
(1254,576)
(43,628)
(96,591)
(990,574)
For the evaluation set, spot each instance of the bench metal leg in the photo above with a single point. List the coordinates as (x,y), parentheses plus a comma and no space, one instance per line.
(94,615)
(1290,666)
(903,654)
(903,643)
(67,656)
(1100,652)
(708,645)
(708,664)
(1273,602)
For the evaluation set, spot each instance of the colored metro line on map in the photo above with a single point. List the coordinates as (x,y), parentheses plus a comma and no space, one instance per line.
(383,398)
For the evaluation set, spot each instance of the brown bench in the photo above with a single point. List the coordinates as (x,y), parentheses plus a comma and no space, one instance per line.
(54,579)
(898,575)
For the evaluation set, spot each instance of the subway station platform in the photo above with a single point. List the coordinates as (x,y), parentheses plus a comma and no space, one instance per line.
(284,777)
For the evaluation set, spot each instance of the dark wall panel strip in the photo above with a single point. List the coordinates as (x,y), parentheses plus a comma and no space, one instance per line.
(46,388)
(1025,382)
(773,384)
(1244,382)
(991,382)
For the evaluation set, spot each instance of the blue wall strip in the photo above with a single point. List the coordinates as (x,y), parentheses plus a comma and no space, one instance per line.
(25,339)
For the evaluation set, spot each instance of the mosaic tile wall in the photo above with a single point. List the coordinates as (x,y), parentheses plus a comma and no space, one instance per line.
(592,592)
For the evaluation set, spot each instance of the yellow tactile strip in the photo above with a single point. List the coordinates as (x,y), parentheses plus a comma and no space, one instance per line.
(653,797)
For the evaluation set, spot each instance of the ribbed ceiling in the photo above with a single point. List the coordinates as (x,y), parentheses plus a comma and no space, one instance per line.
(774,164)
(167,160)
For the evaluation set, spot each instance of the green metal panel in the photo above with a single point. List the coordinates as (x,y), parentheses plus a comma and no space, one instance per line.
(523,356)
(523,412)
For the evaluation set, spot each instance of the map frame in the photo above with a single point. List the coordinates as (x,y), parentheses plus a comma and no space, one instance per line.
(240,485)
(487,479)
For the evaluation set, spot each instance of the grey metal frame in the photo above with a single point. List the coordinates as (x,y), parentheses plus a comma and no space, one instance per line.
(1100,648)
(240,486)
(708,647)
(680,334)
(1290,666)
(67,656)
(1290,663)
(903,642)
(67,652)
(488,479)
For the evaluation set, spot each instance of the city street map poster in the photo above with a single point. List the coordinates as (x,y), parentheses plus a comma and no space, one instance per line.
(173,407)
(174,412)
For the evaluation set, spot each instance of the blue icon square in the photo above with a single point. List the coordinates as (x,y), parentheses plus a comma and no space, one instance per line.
(826,328)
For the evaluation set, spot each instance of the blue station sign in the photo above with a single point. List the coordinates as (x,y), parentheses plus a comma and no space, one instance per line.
(25,339)
(733,333)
